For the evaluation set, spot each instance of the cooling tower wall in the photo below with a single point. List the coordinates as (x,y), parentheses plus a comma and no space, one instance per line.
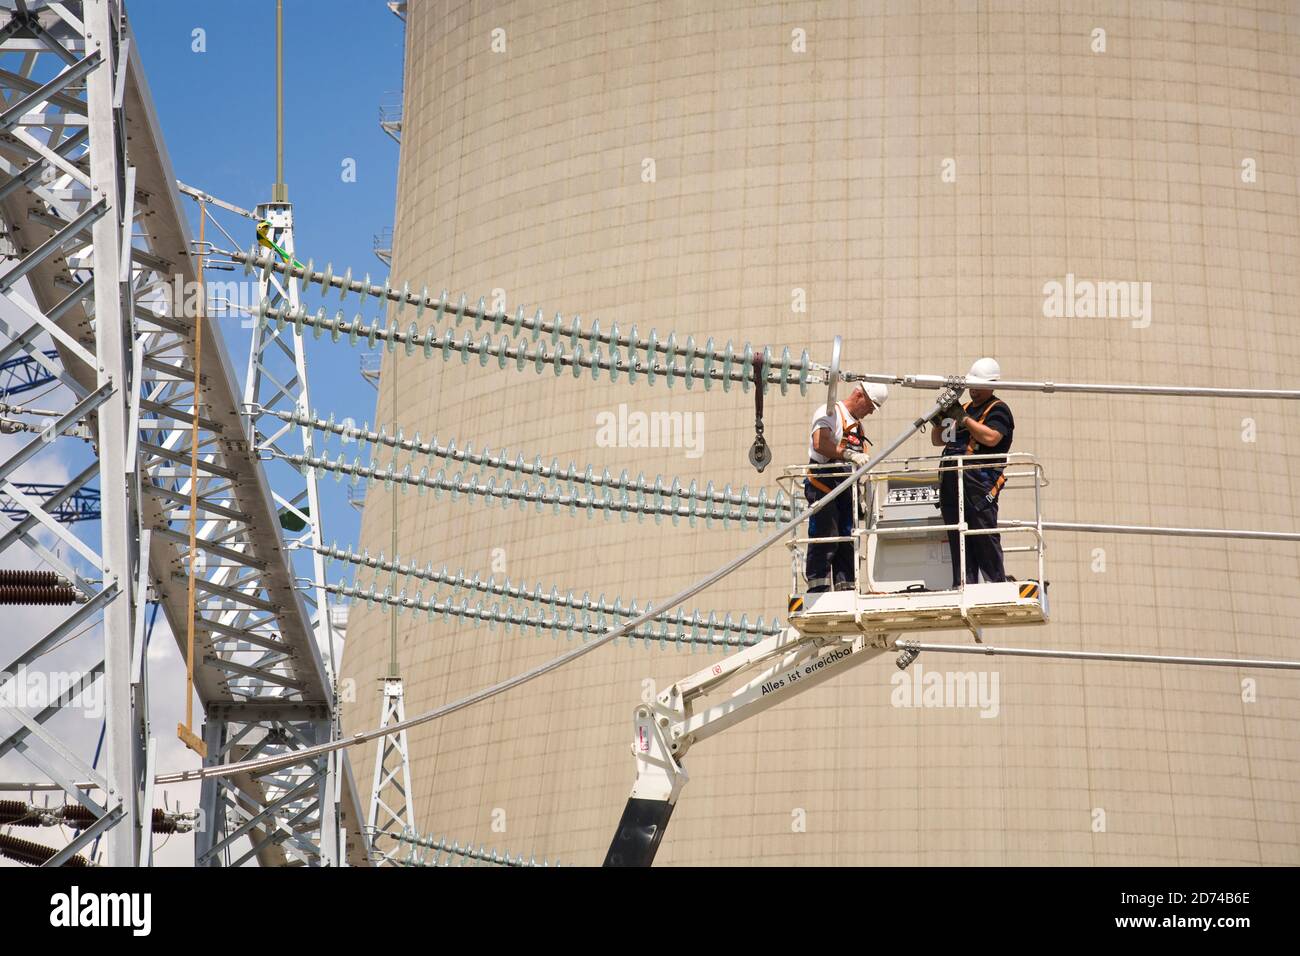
(912,177)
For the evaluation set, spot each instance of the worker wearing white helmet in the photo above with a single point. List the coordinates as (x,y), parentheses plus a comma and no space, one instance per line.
(836,437)
(983,426)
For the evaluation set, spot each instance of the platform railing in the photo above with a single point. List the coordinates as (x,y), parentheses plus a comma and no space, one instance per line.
(1020,469)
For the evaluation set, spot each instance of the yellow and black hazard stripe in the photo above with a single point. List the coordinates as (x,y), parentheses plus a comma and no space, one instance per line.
(1029,590)
(796,603)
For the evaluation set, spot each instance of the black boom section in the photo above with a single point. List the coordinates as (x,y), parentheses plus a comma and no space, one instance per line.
(639,831)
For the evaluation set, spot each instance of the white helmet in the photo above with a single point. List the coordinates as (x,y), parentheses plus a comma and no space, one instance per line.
(984,371)
(875,391)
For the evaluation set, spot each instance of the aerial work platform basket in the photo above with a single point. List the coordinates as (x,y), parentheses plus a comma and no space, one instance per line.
(902,557)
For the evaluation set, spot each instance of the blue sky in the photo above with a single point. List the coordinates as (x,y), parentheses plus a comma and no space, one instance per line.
(343,59)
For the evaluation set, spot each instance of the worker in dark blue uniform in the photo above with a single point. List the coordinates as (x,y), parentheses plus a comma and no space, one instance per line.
(983,426)
(836,436)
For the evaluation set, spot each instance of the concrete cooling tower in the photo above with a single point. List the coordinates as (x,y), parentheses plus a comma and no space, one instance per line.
(1102,194)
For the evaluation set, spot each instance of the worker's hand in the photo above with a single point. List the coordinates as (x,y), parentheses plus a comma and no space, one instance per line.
(857,458)
(953,411)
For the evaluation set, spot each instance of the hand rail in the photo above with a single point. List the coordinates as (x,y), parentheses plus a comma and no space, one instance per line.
(1021,470)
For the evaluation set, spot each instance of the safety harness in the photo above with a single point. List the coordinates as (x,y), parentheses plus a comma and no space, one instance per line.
(972,444)
(853,433)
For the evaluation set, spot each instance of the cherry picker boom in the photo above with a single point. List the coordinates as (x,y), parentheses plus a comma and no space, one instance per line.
(819,644)
(903,583)
(898,588)
(782,666)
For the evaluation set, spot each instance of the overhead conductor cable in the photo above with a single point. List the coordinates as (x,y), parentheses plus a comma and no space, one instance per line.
(521,356)
(505,588)
(541,493)
(728,365)
(365,437)
(262,764)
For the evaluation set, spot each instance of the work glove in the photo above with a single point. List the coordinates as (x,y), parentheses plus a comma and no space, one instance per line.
(949,406)
(857,459)
(953,411)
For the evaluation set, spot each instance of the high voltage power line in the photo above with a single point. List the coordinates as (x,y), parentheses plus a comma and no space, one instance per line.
(541,618)
(412,339)
(584,348)
(541,493)
(568,599)
(422,846)
(952,386)
(627,627)
(587,477)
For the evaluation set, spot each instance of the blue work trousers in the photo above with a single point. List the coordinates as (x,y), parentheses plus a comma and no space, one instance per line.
(831,564)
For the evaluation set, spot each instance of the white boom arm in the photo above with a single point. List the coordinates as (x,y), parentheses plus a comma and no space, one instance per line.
(773,671)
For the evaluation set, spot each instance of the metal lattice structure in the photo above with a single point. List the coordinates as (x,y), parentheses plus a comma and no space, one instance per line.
(24,373)
(69,202)
(392,805)
(97,236)
(63,504)
(277,380)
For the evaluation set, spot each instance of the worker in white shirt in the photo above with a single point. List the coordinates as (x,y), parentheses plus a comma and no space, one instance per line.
(836,436)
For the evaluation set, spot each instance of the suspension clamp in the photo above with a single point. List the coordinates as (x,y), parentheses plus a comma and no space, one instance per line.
(760,455)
